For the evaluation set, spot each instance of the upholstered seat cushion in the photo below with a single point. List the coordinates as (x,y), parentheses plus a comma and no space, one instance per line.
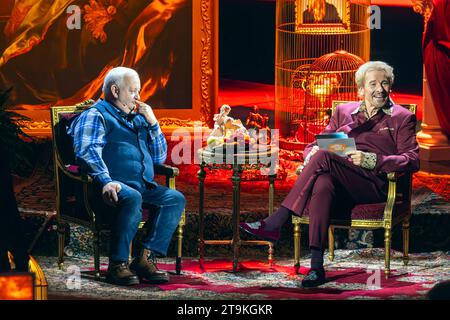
(370,211)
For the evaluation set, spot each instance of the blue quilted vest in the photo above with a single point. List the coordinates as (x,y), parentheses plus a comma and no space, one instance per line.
(126,153)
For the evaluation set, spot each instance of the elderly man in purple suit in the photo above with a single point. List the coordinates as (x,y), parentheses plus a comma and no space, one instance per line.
(385,138)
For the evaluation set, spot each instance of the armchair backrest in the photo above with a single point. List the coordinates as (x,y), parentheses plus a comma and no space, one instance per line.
(71,187)
(62,143)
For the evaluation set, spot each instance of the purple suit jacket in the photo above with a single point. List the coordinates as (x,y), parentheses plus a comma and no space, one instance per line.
(391,137)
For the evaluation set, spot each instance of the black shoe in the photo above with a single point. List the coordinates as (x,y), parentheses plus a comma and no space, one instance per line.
(314,278)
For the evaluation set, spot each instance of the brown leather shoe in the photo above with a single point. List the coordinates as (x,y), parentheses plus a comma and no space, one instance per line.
(119,273)
(145,267)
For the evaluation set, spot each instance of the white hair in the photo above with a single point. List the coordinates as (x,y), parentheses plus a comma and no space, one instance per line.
(360,74)
(116,76)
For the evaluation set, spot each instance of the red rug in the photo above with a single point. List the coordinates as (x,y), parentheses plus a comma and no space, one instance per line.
(355,274)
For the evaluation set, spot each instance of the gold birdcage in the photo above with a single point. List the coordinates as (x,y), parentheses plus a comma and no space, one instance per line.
(315,63)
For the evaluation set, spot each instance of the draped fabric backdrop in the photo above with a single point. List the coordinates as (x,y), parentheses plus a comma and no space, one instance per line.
(436,57)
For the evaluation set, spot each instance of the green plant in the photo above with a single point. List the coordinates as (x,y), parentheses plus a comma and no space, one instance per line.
(12,139)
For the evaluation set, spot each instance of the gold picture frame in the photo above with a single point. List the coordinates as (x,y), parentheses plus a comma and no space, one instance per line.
(322,16)
(205,66)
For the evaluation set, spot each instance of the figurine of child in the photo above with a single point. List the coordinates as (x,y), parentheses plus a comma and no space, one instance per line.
(220,120)
(225,128)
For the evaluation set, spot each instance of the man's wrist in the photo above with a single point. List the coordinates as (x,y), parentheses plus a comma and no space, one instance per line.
(151,120)
(154,127)
(103,179)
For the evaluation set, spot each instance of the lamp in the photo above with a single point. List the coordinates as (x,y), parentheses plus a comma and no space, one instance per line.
(17,286)
(39,283)
(321,86)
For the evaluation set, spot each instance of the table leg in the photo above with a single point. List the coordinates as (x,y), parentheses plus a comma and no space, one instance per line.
(271,198)
(270,254)
(236,180)
(271,192)
(201,225)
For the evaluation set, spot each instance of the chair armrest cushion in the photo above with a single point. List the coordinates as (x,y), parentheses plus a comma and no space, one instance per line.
(74,169)
(74,172)
(166,170)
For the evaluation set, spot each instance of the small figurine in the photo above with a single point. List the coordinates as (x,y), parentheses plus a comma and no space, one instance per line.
(220,119)
(226,129)
(260,125)
(255,120)
(216,137)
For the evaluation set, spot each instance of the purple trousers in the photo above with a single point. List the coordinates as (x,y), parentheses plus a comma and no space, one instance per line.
(330,186)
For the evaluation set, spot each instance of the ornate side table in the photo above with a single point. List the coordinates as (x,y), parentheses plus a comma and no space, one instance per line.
(237,160)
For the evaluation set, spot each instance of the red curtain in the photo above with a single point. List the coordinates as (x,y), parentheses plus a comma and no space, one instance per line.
(436,57)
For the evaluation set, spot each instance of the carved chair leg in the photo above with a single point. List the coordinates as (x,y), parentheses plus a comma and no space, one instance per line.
(387,252)
(331,243)
(297,238)
(130,254)
(97,254)
(61,234)
(406,241)
(180,243)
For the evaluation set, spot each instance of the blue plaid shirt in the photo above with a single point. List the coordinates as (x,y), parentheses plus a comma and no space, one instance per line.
(88,132)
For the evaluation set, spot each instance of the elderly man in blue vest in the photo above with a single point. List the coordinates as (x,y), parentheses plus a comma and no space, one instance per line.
(117,141)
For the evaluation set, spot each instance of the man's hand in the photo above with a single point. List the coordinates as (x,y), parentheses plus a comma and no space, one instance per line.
(147,112)
(356,156)
(109,193)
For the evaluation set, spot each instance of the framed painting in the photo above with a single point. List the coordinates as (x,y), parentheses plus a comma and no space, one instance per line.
(60,57)
(322,16)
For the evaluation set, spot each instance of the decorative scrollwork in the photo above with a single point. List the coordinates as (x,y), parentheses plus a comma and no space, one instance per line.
(220,166)
(179,122)
(423,7)
(35,125)
(205,64)
(85,103)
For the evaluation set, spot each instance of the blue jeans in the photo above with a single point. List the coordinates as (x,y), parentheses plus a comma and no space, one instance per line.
(124,225)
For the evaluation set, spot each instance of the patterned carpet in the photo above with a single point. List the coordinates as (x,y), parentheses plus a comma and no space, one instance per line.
(352,275)
(348,275)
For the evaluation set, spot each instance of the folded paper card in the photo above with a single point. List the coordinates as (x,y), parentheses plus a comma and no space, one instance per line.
(339,146)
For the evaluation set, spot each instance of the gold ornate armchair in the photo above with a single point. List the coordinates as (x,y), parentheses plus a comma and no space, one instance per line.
(386,215)
(74,202)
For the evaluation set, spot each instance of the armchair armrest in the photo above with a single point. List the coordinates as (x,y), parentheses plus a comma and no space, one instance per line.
(72,172)
(394,176)
(393,179)
(166,170)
